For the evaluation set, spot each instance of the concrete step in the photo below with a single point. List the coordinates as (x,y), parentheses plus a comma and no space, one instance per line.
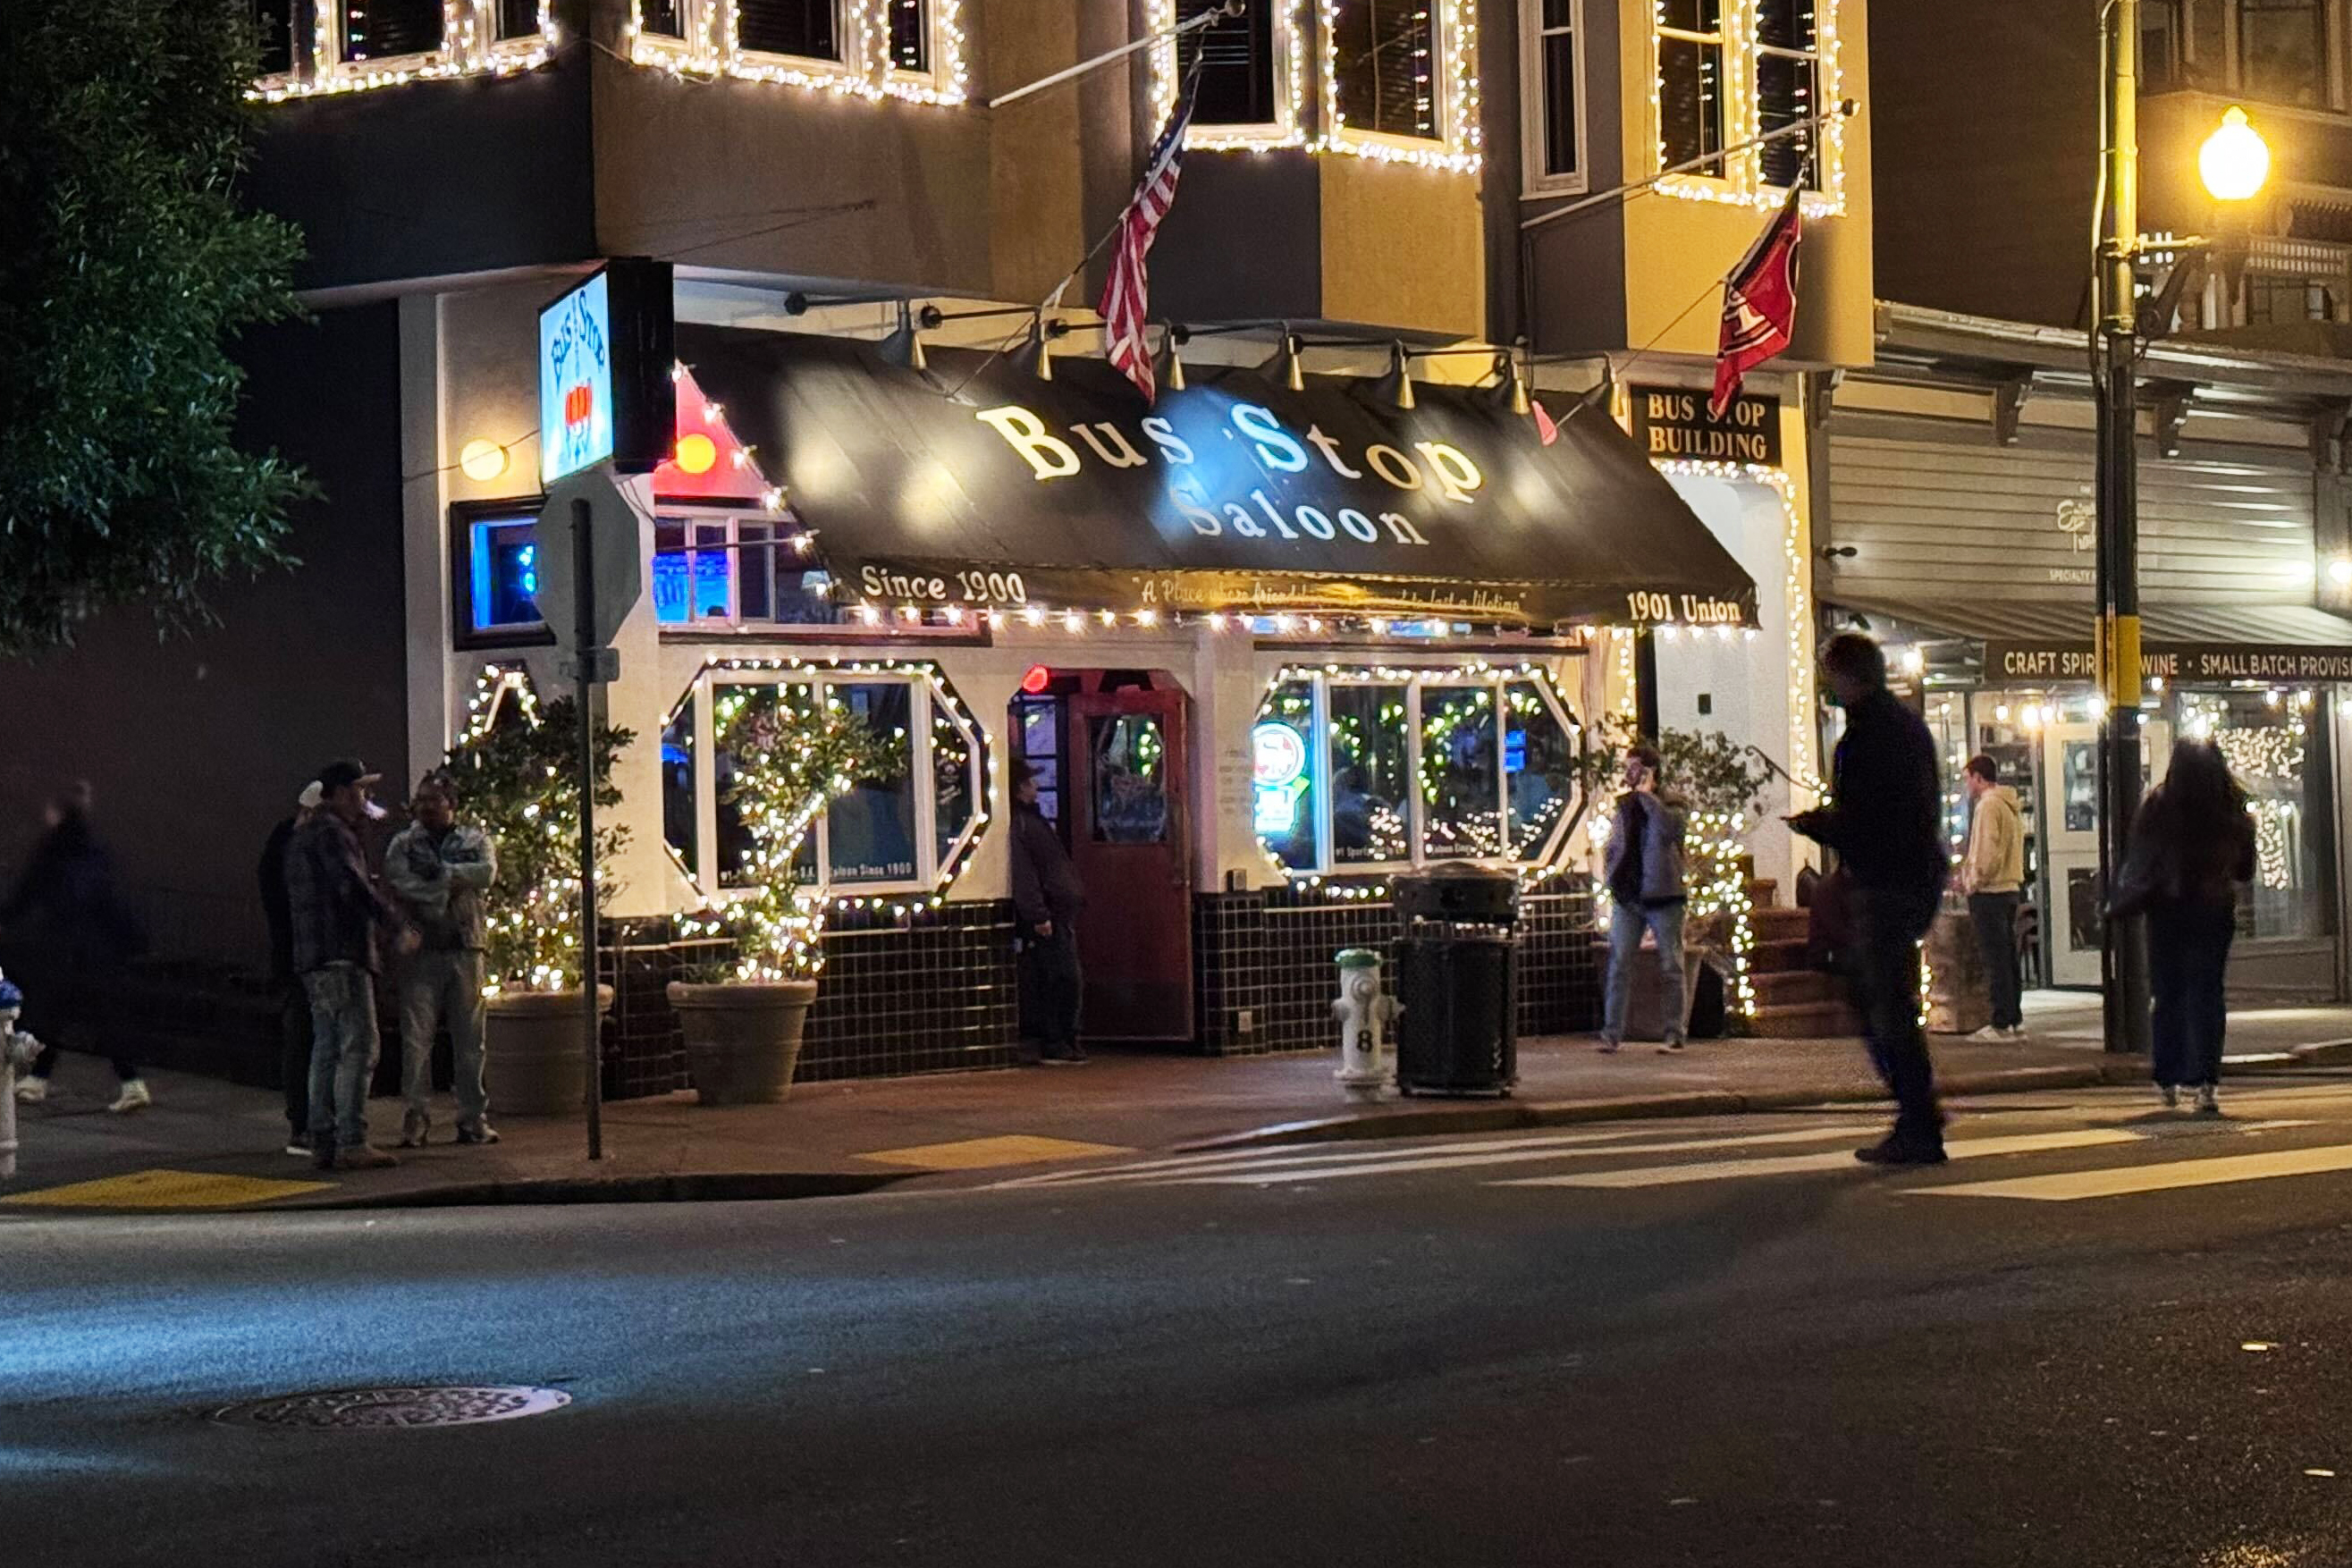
(1807,1020)
(1793,987)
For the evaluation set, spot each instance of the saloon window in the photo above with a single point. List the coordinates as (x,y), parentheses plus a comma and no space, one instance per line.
(1384,67)
(1412,769)
(717,571)
(906,830)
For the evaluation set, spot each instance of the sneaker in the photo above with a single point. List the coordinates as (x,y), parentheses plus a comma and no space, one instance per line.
(134,1097)
(416,1129)
(1896,1150)
(32,1090)
(1671,1048)
(1607,1048)
(2171,1094)
(480,1134)
(364,1157)
(2208,1100)
(2015,1034)
(1990,1033)
(298,1145)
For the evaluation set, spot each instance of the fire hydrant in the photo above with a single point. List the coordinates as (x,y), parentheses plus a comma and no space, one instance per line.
(1364,1015)
(18,1049)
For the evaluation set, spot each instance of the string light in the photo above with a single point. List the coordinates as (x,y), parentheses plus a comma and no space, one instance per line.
(864,69)
(464,52)
(1742,183)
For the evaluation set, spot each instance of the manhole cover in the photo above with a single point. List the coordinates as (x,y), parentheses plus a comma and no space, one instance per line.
(393,1409)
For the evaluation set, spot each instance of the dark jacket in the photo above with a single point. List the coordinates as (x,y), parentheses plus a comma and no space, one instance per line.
(73,915)
(274,906)
(1658,821)
(1884,803)
(1045,886)
(336,909)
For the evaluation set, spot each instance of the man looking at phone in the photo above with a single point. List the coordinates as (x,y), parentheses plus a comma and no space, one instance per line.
(1644,869)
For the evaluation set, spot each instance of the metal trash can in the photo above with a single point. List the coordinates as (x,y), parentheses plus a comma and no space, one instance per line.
(1457,980)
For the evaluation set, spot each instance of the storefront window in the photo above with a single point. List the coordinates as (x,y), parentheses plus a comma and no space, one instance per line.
(901,832)
(720,571)
(1040,744)
(2268,740)
(1382,792)
(504,575)
(1372,776)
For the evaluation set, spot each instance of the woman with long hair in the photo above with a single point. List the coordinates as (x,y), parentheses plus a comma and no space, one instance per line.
(2192,844)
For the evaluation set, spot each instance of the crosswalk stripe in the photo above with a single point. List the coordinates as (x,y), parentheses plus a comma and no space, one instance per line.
(1840,1159)
(1319,1154)
(2072,1186)
(1451,1162)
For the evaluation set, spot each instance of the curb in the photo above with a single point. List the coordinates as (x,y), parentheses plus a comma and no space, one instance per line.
(743,1186)
(1501,1115)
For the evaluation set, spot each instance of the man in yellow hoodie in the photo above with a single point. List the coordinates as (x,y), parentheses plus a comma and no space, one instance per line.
(1993,876)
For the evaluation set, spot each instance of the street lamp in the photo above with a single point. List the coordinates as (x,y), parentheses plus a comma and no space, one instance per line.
(2233,164)
(2236,160)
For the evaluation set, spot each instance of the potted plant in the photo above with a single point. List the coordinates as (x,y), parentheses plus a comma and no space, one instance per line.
(517,769)
(1720,788)
(742,1019)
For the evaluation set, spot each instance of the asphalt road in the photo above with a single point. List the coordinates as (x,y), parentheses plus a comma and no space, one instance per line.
(1713,1342)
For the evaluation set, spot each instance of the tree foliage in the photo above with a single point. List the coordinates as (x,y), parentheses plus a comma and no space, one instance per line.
(518,779)
(1705,769)
(127,267)
(793,758)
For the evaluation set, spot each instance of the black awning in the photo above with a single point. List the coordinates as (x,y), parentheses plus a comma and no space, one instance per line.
(2049,640)
(1235,494)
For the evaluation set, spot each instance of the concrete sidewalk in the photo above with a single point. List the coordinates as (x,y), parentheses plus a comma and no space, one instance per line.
(210,1145)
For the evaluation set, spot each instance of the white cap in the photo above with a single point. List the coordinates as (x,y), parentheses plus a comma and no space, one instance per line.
(310,796)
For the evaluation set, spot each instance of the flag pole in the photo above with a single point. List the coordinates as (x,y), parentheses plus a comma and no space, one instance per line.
(1797,128)
(1071,73)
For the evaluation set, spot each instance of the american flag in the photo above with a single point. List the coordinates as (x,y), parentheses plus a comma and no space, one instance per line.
(1127,292)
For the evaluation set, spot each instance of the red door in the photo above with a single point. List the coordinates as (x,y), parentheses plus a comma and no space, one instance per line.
(1129,810)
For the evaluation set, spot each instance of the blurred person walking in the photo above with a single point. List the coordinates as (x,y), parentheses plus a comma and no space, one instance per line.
(1881,819)
(439,869)
(2192,844)
(78,934)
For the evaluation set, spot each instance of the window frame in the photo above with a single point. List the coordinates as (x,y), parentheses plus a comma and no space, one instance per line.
(1292,48)
(850,65)
(1441,45)
(1742,182)
(1759,51)
(936,870)
(2331,70)
(781,532)
(1416,681)
(302,25)
(1725,40)
(464,518)
(1536,178)
(331,54)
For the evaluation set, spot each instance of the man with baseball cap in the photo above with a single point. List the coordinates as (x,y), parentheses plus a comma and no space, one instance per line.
(338,920)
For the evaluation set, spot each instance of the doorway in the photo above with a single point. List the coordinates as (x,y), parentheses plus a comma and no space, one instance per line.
(1112,751)
(2073,896)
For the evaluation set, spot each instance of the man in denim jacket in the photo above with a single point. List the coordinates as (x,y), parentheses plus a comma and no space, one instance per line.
(439,869)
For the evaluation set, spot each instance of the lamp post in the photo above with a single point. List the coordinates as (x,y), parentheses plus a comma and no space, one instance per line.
(2233,164)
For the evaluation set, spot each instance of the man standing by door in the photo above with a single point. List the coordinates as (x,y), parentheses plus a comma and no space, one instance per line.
(1882,821)
(1992,876)
(1644,868)
(1047,899)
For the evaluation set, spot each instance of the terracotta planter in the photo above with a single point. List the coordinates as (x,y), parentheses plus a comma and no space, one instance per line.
(537,1066)
(743,1038)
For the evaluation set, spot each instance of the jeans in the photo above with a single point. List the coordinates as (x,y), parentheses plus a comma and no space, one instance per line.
(342,1053)
(294,1057)
(443,986)
(2187,955)
(1995,917)
(1626,923)
(1888,928)
(1060,985)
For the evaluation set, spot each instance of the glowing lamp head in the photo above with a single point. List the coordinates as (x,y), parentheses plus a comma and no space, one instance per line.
(1037,679)
(2236,160)
(2339,571)
(482,459)
(697,453)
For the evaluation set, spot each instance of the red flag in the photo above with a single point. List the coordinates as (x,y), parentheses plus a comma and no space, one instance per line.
(1759,305)
(1127,292)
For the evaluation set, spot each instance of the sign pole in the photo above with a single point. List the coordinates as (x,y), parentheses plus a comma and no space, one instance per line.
(584,644)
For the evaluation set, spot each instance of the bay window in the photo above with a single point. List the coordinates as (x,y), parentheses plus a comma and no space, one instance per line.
(720,570)
(1367,772)
(1788,66)
(906,831)
(798,30)
(1727,75)
(374,32)
(274,32)
(1237,58)
(1692,96)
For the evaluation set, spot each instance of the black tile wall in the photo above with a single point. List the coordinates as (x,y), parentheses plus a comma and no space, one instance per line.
(1263,980)
(934,993)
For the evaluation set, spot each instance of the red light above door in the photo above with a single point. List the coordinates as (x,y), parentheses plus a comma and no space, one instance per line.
(1037,680)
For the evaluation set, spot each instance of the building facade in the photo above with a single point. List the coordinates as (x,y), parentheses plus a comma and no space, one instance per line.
(1334,612)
